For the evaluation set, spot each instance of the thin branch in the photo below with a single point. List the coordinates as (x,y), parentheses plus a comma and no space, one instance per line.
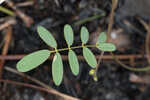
(7,40)
(27,20)
(81,58)
(66,97)
(48,88)
(147,38)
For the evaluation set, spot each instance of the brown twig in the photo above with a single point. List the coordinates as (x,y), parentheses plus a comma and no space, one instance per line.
(139,79)
(147,27)
(27,20)
(8,37)
(111,20)
(27,77)
(23,4)
(7,23)
(46,87)
(81,58)
(147,44)
(65,97)
(107,58)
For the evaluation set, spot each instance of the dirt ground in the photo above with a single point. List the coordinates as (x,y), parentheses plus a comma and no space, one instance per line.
(130,34)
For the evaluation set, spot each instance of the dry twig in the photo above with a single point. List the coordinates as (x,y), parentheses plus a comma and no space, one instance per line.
(65,97)
(27,20)
(147,38)
(7,23)
(8,37)
(45,87)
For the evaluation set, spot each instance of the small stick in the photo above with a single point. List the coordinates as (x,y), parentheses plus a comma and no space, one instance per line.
(147,27)
(27,20)
(81,58)
(27,3)
(8,37)
(46,87)
(7,23)
(65,97)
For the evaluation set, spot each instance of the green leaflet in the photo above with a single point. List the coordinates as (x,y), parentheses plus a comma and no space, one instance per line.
(73,61)
(57,69)
(68,33)
(84,35)
(102,38)
(89,57)
(46,36)
(106,47)
(32,60)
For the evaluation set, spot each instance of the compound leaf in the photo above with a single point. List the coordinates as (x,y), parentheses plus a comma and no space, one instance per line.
(89,57)
(102,38)
(46,36)
(57,69)
(84,35)
(32,60)
(68,33)
(73,61)
(106,47)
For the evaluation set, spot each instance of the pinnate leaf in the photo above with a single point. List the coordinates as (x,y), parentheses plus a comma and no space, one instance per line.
(46,36)
(89,57)
(73,61)
(57,69)
(68,33)
(106,47)
(32,60)
(84,35)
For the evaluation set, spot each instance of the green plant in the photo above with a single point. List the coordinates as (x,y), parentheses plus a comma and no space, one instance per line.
(33,60)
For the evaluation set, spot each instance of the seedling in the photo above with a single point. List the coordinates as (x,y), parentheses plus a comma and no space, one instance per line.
(34,59)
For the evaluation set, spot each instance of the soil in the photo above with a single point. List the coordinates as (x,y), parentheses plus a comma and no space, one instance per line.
(114,81)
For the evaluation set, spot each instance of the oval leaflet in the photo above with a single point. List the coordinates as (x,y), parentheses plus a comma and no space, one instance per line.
(106,47)
(102,38)
(32,60)
(89,57)
(84,35)
(68,33)
(46,36)
(57,69)
(73,62)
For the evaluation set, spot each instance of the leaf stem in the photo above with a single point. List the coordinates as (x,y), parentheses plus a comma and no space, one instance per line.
(75,47)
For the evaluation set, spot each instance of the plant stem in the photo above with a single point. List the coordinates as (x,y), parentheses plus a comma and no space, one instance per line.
(7,11)
(76,47)
(80,22)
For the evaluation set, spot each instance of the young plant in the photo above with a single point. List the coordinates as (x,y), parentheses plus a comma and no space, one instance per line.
(34,59)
